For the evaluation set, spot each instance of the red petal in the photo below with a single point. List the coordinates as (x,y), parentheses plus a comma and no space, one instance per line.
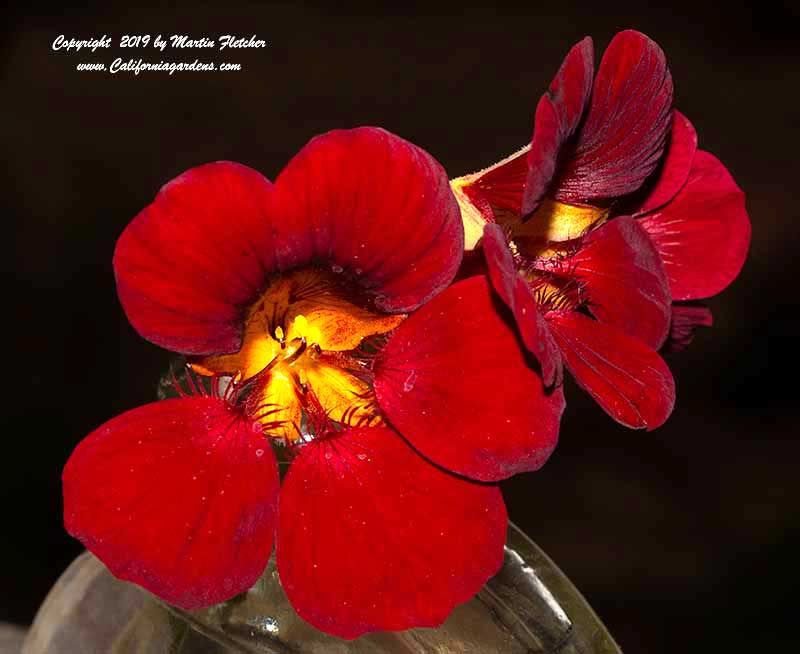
(375,205)
(686,319)
(625,280)
(374,538)
(518,296)
(558,115)
(187,263)
(623,136)
(702,235)
(179,497)
(548,138)
(454,381)
(676,166)
(501,185)
(626,378)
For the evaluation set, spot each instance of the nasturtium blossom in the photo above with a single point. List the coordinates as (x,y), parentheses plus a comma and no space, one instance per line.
(610,214)
(320,304)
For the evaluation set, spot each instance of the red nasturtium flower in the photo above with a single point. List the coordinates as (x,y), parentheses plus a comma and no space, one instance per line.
(324,298)
(608,215)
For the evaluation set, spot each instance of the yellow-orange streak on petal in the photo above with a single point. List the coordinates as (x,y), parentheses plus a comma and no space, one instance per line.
(471,216)
(343,397)
(341,324)
(555,221)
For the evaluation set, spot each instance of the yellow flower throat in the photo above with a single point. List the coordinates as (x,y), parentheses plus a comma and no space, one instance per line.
(295,346)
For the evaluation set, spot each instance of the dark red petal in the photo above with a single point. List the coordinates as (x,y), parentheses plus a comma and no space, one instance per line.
(372,537)
(677,164)
(187,263)
(547,141)
(179,497)
(626,378)
(686,319)
(625,280)
(501,185)
(518,296)
(379,207)
(454,381)
(558,115)
(702,235)
(623,136)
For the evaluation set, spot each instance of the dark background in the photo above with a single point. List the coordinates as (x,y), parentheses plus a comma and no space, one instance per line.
(684,539)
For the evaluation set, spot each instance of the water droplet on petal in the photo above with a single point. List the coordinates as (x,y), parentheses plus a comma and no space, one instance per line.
(362,457)
(259,452)
(410,381)
(336,268)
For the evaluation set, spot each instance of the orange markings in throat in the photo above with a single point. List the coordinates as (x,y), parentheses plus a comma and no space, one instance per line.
(300,351)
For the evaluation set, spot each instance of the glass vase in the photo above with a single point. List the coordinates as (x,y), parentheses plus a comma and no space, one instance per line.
(529,607)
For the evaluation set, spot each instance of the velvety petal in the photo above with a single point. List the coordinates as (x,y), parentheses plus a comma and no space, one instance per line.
(179,497)
(518,296)
(676,164)
(372,537)
(626,378)
(548,138)
(558,115)
(624,133)
(455,382)
(625,280)
(686,320)
(702,235)
(500,262)
(374,206)
(189,262)
(572,85)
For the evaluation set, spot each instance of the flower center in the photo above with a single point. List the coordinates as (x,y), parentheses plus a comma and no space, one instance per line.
(555,293)
(301,350)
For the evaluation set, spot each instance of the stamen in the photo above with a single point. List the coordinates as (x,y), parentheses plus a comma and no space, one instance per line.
(298,383)
(294,356)
(279,336)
